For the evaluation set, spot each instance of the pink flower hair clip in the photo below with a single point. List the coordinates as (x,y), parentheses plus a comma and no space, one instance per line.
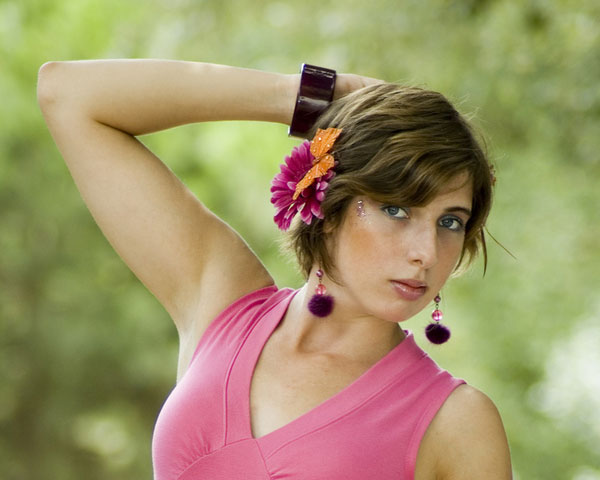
(304,177)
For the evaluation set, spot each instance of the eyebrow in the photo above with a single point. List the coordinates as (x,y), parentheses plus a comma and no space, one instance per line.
(456,209)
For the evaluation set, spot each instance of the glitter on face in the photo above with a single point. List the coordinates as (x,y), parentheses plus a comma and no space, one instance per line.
(360,208)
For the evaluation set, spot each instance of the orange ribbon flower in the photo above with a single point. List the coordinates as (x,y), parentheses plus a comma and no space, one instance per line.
(320,146)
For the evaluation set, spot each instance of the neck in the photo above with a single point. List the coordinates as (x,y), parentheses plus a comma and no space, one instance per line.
(343,332)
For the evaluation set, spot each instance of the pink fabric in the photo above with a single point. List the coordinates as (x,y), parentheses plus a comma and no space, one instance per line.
(370,430)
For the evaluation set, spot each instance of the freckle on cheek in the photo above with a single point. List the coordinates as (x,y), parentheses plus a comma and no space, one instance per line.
(362,237)
(362,241)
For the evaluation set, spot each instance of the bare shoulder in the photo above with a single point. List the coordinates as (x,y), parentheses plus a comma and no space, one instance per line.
(466,439)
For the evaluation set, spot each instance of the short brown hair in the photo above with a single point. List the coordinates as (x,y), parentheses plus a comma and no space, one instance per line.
(399,145)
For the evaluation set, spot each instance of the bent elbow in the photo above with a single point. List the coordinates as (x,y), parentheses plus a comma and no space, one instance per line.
(47,85)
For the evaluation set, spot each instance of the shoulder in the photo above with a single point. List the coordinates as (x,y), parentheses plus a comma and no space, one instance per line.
(466,439)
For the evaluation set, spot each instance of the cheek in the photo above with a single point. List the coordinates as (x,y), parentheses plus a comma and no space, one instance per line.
(363,244)
(452,245)
(450,250)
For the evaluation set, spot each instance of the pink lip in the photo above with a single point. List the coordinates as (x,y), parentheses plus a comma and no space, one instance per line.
(410,289)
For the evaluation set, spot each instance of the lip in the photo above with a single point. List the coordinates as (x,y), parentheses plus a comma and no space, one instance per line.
(409,289)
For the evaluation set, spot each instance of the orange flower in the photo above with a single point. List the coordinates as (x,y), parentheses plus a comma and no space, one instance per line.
(320,147)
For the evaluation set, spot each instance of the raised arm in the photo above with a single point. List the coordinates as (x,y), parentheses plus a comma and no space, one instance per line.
(192,261)
(144,96)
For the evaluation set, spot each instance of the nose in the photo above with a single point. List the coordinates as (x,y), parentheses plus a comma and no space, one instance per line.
(423,246)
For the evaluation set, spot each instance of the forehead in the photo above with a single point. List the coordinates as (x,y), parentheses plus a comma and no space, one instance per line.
(459,188)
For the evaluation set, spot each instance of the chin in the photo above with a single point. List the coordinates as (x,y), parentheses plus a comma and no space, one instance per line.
(398,314)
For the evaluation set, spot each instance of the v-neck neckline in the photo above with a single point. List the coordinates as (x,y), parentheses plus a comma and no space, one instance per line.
(368,384)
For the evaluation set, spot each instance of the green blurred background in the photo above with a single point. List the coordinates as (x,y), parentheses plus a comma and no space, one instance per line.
(87,355)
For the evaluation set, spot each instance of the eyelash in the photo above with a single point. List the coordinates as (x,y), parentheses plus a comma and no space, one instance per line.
(386,209)
(459,229)
(461,225)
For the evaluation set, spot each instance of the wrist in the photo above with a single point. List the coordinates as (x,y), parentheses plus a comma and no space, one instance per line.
(315,93)
(287,92)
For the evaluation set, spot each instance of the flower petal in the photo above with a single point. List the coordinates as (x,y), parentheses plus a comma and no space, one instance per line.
(283,187)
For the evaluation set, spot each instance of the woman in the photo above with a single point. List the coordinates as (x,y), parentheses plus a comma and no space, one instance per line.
(319,383)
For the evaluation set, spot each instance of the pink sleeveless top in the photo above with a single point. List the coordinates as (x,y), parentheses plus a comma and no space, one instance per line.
(369,430)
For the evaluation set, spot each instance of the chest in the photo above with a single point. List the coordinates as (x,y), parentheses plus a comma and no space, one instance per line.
(284,386)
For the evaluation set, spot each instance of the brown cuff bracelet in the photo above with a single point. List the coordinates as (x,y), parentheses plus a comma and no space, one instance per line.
(314,95)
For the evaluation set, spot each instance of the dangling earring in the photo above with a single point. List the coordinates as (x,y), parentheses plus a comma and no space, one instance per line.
(320,303)
(435,331)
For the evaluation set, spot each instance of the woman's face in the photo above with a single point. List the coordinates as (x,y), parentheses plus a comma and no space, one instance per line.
(392,260)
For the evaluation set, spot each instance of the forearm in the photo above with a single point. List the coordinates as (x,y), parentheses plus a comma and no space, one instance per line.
(143,96)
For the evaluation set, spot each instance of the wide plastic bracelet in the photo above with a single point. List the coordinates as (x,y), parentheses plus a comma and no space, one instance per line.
(314,95)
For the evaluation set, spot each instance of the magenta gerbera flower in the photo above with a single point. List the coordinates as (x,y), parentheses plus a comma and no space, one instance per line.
(283,186)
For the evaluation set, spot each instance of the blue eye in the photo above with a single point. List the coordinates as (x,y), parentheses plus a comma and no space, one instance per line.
(394,211)
(453,224)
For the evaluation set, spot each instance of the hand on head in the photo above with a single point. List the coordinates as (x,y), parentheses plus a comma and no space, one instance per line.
(348,82)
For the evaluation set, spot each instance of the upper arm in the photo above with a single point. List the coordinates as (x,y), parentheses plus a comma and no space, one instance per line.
(466,439)
(193,262)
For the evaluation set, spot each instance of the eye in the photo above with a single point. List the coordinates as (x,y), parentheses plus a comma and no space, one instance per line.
(395,211)
(453,224)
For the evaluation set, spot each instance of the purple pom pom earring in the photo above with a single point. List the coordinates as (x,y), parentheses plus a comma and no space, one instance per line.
(320,303)
(435,331)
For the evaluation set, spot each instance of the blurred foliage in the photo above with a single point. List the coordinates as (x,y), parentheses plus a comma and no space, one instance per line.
(87,355)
